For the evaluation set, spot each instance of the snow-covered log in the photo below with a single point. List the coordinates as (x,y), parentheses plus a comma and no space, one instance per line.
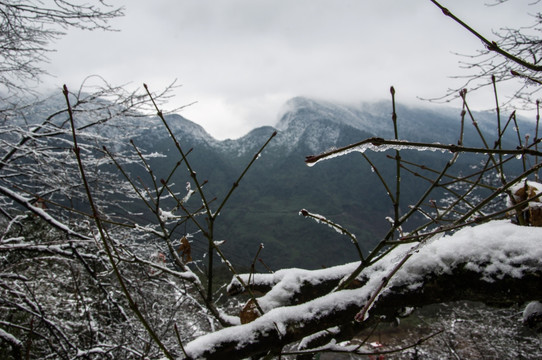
(291,286)
(497,263)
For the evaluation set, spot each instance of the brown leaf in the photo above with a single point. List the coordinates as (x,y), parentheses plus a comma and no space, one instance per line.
(536,215)
(532,212)
(185,250)
(249,313)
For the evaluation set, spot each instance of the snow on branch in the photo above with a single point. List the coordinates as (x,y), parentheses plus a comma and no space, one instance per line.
(10,339)
(377,144)
(40,212)
(292,286)
(497,262)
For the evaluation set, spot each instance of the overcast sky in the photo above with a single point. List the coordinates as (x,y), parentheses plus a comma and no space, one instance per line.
(242,59)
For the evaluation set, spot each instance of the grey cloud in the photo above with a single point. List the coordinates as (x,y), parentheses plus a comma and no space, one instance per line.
(241,57)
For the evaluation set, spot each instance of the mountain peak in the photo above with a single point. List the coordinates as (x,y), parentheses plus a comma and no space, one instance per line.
(301,112)
(184,127)
(375,118)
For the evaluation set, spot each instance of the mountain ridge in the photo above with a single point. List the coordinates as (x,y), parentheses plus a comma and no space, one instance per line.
(301,116)
(265,207)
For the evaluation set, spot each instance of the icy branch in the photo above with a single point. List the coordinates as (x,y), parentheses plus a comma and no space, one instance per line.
(41,213)
(378,145)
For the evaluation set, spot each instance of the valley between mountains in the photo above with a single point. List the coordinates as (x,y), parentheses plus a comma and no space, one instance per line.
(265,208)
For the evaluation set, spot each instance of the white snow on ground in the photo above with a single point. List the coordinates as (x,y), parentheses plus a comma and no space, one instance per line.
(532,310)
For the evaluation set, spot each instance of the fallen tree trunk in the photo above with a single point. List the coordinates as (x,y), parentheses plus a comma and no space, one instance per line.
(497,263)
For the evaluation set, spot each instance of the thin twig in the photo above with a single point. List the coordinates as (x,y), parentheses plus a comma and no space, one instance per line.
(102,233)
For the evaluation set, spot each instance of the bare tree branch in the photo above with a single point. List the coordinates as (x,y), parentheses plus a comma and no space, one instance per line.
(28,28)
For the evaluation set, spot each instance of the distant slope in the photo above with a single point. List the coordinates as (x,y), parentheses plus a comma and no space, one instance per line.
(264,209)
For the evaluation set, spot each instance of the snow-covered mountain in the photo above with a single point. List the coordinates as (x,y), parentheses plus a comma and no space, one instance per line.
(318,125)
(265,207)
(366,117)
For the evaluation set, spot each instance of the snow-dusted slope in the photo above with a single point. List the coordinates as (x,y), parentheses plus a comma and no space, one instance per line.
(366,117)
(416,124)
